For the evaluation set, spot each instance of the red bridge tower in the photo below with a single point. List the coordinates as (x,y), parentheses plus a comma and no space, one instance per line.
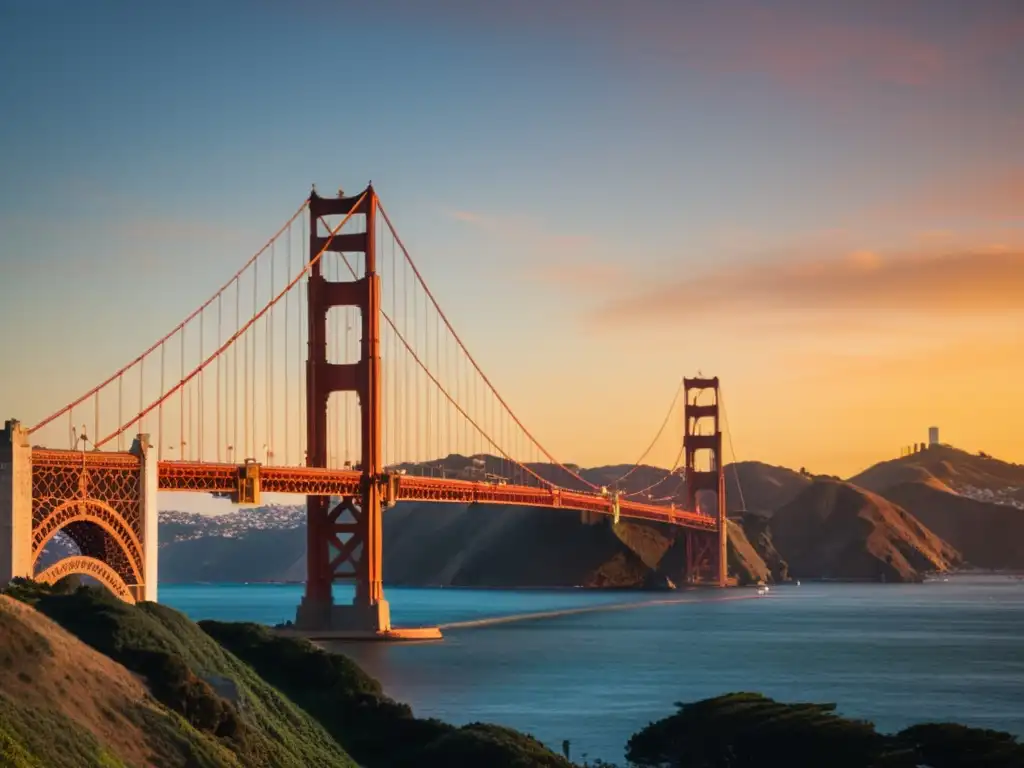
(351,547)
(705,475)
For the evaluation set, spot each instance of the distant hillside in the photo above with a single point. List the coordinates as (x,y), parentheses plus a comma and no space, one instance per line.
(988,535)
(498,546)
(943,465)
(835,530)
(459,545)
(761,487)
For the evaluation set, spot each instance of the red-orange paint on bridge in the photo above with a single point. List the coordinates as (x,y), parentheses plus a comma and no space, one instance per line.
(223,479)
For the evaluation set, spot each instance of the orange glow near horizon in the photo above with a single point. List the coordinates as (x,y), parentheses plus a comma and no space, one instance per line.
(821,205)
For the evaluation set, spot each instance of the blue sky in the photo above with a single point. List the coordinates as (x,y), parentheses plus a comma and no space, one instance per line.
(149,148)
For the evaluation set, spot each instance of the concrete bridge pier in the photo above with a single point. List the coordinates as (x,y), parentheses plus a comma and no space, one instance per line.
(149,476)
(15,503)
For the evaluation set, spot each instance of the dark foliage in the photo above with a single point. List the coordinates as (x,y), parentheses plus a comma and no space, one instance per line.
(948,745)
(174,685)
(748,730)
(375,730)
(479,744)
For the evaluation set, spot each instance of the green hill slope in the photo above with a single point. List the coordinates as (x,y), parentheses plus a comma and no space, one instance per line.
(204,696)
(192,675)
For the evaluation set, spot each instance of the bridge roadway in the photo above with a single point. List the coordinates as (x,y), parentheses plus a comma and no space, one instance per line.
(222,479)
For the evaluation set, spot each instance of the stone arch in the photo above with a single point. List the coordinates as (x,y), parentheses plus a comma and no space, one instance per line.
(88,566)
(92,513)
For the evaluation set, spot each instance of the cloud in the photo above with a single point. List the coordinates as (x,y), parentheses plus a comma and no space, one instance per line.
(978,282)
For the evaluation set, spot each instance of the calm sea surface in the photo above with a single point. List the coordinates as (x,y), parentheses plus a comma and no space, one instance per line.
(895,654)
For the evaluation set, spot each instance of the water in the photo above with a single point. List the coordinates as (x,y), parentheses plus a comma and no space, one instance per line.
(894,654)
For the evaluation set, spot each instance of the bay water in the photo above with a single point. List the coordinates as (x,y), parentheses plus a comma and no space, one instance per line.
(594,667)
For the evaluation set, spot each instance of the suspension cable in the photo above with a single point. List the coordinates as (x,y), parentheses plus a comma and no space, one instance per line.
(675,466)
(732,450)
(426,370)
(177,328)
(240,331)
(668,416)
(470,357)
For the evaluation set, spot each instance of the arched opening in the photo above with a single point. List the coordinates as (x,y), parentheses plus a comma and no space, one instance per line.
(89,567)
(96,543)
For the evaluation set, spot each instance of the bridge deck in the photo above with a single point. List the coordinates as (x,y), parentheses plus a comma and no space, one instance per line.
(202,477)
(222,478)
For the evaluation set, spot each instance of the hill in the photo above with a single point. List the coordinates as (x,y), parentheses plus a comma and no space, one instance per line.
(757,487)
(64,704)
(943,466)
(225,714)
(123,685)
(836,530)
(988,535)
(761,487)
(748,729)
(499,546)
(469,546)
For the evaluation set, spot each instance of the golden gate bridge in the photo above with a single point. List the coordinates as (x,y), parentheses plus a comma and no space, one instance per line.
(324,367)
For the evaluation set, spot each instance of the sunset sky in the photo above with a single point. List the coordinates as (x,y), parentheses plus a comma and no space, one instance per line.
(821,203)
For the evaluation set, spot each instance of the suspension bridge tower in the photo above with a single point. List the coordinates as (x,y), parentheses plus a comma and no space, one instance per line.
(344,539)
(705,478)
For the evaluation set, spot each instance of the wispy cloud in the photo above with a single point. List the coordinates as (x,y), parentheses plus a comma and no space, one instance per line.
(978,282)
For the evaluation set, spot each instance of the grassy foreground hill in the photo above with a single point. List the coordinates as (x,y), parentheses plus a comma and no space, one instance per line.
(64,704)
(90,681)
(204,706)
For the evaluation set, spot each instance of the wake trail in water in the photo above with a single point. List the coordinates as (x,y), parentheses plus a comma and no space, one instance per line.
(539,615)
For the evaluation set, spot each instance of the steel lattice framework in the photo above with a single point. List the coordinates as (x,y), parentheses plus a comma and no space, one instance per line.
(94,497)
(88,566)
